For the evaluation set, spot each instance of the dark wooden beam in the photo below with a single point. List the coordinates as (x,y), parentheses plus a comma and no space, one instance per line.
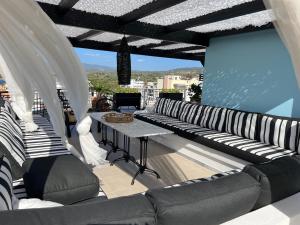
(148,9)
(129,39)
(65,5)
(89,34)
(95,21)
(224,14)
(240,31)
(134,50)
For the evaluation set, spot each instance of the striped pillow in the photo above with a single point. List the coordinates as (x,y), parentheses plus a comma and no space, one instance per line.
(9,108)
(282,132)
(5,185)
(213,118)
(11,138)
(191,113)
(174,108)
(162,105)
(6,115)
(241,123)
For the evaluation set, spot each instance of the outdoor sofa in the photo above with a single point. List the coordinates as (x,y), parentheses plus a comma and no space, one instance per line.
(250,136)
(50,172)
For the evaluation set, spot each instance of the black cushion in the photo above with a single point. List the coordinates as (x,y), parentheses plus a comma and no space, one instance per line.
(16,170)
(134,210)
(64,179)
(279,179)
(205,203)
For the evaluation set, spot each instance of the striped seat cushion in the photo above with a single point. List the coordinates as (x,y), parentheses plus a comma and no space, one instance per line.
(5,185)
(251,146)
(213,118)
(241,123)
(191,113)
(161,105)
(279,131)
(174,108)
(44,142)
(206,179)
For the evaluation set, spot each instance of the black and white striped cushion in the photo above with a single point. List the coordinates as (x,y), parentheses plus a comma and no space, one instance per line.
(5,185)
(12,139)
(162,105)
(6,115)
(174,108)
(251,146)
(279,131)
(206,179)
(191,113)
(213,118)
(241,123)
(44,142)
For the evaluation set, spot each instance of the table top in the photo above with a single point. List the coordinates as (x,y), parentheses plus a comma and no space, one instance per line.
(135,129)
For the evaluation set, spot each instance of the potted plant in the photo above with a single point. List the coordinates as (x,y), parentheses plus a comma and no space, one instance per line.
(195,91)
(171,94)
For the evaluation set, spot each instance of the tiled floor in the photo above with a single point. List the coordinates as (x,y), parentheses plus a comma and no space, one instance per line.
(172,167)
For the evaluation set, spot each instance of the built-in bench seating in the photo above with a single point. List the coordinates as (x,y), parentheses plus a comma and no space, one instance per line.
(251,136)
(23,145)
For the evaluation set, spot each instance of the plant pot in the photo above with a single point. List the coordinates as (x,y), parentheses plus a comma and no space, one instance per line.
(127,99)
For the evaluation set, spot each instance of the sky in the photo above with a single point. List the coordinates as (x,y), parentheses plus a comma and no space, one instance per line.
(138,62)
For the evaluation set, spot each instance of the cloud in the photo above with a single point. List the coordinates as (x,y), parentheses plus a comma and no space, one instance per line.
(140,60)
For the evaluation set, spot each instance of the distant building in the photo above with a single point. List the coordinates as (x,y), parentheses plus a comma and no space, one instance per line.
(136,84)
(176,82)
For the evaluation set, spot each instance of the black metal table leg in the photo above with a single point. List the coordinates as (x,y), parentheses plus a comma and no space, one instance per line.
(126,152)
(114,144)
(143,160)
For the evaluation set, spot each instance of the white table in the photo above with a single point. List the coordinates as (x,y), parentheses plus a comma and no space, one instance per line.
(136,129)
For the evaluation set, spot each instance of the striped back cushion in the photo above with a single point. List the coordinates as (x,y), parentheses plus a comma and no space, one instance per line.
(12,138)
(9,108)
(282,132)
(241,123)
(191,113)
(5,185)
(162,105)
(174,108)
(213,118)
(7,116)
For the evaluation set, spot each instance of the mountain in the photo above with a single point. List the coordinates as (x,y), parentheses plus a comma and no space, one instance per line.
(97,68)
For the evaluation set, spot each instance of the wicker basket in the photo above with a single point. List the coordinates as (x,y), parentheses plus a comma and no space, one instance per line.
(118,117)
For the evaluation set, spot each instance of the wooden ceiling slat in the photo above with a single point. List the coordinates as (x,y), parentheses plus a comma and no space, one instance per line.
(94,21)
(65,5)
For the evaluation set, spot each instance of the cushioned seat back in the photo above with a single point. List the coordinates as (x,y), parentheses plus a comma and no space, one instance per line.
(205,203)
(279,179)
(5,185)
(213,118)
(173,108)
(161,105)
(11,137)
(279,131)
(241,123)
(191,113)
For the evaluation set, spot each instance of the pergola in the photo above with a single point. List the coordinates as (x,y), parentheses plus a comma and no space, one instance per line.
(167,28)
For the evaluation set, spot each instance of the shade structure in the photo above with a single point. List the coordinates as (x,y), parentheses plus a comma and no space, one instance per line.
(124,63)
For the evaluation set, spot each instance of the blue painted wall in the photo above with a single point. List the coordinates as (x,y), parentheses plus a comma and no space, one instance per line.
(251,72)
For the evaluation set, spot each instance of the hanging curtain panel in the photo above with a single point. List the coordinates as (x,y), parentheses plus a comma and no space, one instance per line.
(33,48)
(287,24)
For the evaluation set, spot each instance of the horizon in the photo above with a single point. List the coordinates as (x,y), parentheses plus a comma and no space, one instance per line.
(138,62)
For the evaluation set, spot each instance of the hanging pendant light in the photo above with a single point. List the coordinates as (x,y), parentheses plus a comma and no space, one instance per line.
(124,63)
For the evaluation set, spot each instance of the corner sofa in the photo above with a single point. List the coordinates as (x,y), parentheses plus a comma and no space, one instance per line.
(42,167)
(208,202)
(251,136)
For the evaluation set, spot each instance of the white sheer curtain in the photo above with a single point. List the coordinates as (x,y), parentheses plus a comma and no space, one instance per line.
(35,50)
(287,24)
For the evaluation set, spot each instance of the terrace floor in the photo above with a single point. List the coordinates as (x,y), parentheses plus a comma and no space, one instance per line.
(173,168)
